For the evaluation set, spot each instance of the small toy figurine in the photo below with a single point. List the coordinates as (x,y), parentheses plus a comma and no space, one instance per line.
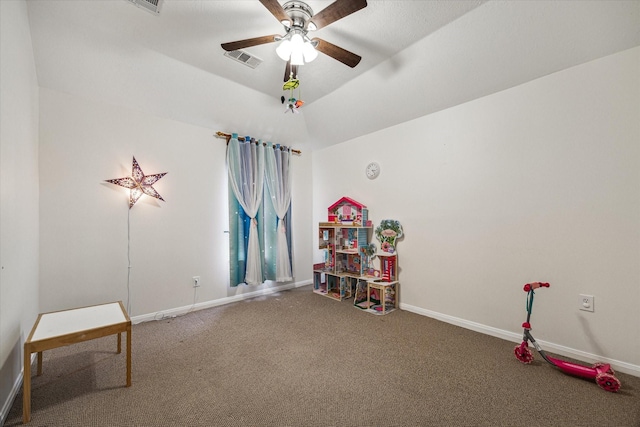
(292,105)
(291,83)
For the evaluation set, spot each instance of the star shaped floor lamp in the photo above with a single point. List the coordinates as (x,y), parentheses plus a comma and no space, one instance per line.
(138,184)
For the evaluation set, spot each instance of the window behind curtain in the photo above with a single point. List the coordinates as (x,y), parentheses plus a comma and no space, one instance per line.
(239,224)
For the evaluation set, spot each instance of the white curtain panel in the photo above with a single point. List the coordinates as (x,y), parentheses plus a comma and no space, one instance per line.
(245,163)
(279,185)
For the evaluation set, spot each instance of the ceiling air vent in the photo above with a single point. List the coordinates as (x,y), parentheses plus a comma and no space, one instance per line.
(244,58)
(152,6)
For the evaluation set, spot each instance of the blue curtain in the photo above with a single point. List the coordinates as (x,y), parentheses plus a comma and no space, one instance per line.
(239,226)
(278,183)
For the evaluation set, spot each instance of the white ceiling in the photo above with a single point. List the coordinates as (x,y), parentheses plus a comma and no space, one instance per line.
(418,57)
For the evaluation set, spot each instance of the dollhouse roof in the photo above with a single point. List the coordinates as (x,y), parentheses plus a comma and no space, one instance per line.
(347,200)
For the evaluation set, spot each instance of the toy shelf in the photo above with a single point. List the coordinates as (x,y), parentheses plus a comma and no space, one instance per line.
(347,251)
(343,259)
(388,266)
(379,298)
(352,267)
(337,286)
(342,224)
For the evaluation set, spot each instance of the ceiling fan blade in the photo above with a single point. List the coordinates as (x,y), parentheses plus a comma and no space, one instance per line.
(338,53)
(240,44)
(336,10)
(276,10)
(288,70)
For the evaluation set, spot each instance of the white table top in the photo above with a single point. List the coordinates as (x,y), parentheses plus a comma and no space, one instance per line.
(76,320)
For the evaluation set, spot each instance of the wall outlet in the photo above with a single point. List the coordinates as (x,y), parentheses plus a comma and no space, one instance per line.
(586,302)
(196,281)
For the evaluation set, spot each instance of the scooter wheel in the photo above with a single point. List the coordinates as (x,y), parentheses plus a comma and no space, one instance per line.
(600,364)
(608,382)
(523,354)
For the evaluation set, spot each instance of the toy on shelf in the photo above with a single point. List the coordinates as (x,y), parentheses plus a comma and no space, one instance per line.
(360,299)
(369,253)
(387,233)
(382,289)
(353,266)
(349,212)
(326,241)
(319,279)
(601,372)
(388,268)
(344,240)
(381,297)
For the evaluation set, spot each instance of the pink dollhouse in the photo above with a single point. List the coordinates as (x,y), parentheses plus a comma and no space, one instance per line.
(348,211)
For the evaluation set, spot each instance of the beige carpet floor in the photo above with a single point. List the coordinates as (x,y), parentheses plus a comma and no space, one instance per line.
(299,359)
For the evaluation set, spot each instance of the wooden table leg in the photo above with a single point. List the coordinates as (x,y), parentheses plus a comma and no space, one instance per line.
(26,386)
(119,342)
(128,354)
(39,371)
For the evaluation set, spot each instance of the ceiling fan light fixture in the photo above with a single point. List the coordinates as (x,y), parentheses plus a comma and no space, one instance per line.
(297,48)
(284,50)
(297,58)
(296,42)
(309,52)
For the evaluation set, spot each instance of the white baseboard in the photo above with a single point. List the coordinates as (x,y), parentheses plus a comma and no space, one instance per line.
(6,407)
(617,365)
(179,311)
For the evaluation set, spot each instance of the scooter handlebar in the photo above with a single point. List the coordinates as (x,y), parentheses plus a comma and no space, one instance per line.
(535,285)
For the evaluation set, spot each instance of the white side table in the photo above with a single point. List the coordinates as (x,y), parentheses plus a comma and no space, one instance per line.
(62,328)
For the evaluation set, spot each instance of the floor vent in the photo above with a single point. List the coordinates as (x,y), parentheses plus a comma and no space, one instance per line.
(152,6)
(244,58)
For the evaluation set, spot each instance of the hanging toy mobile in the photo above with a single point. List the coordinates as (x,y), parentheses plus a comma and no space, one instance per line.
(292,103)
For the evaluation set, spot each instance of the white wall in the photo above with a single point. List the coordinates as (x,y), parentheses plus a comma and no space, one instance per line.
(540,182)
(83,220)
(18,195)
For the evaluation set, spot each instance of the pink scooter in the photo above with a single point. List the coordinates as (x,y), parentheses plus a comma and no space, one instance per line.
(601,372)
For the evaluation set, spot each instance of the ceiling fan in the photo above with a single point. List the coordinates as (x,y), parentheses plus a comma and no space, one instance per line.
(298,20)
